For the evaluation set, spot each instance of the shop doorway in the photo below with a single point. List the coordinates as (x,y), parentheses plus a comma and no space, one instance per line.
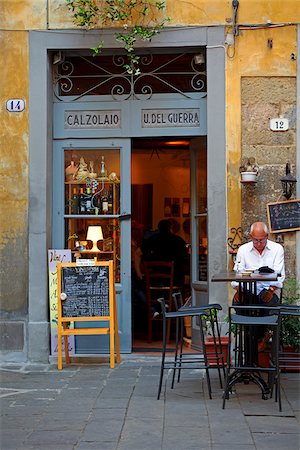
(168,181)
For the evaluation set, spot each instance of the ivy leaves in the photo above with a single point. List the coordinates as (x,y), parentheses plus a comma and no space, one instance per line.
(139,20)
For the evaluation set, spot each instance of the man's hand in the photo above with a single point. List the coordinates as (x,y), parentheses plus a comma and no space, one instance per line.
(268,295)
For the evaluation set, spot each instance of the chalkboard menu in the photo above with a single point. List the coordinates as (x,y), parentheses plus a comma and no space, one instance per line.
(87,291)
(284,216)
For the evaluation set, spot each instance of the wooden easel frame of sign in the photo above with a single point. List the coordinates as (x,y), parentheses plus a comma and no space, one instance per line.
(284,216)
(88,290)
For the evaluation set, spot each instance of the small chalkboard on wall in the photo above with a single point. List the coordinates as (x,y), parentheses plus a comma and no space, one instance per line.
(284,216)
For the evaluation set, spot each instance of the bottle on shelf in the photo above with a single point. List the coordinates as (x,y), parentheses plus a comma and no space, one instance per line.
(103,170)
(81,202)
(110,201)
(74,202)
(104,201)
(88,201)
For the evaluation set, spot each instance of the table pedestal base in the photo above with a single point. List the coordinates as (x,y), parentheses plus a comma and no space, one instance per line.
(242,376)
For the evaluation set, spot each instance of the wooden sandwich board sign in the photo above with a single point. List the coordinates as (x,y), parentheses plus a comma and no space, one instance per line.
(87,293)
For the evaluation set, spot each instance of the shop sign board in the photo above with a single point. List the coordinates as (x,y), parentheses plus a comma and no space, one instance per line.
(82,119)
(171,118)
(57,256)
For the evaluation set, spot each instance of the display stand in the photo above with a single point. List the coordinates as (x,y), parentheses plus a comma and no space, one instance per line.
(87,293)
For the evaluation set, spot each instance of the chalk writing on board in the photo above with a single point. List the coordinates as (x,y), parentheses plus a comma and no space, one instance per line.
(87,290)
(284,216)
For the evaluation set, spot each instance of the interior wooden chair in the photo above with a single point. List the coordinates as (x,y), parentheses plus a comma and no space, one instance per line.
(159,280)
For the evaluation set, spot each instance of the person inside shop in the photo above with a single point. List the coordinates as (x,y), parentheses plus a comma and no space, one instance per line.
(261,252)
(163,245)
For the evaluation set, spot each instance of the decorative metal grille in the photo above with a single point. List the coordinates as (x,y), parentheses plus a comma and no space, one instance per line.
(80,76)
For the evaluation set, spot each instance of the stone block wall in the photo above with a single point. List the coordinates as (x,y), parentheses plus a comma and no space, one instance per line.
(264,98)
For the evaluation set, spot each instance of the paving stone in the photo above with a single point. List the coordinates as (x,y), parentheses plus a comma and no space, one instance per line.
(110,403)
(186,437)
(52,437)
(276,441)
(232,447)
(105,413)
(46,447)
(262,424)
(102,430)
(83,445)
(141,433)
(146,408)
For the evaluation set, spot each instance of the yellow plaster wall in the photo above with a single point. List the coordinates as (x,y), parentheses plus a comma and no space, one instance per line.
(202,12)
(54,14)
(23,14)
(252,58)
(14,168)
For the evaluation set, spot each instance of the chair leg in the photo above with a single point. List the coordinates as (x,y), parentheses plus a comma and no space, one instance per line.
(163,357)
(217,345)
(181,348)
(221,349)
(278,387)
(149,324)
(176,350)
(205,357)
(228,367)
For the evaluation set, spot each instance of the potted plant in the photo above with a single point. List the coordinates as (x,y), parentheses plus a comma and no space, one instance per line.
(290,325)
(210,346)
(248,170)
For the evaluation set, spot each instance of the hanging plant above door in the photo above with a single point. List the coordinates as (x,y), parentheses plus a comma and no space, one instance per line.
(135,19)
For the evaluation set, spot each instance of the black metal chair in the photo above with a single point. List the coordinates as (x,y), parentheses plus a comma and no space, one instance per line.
(243,323)
(209,313)
(182,360)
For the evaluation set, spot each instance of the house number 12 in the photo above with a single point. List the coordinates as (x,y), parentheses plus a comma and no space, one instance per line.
(280,124)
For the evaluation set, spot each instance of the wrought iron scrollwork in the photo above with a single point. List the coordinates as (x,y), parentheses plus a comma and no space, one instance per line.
(237,238)
(114,81)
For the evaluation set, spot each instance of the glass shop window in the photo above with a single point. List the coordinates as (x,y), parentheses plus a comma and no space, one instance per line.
(92,204)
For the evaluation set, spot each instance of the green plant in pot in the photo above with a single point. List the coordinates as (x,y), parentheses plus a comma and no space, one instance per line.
(290,327)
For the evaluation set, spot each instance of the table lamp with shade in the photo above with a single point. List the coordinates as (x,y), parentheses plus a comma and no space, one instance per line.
(94,234)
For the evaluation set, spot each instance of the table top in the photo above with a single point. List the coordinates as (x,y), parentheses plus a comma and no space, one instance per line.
(251,277)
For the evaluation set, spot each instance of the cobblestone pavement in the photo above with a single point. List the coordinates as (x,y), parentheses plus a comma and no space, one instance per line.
(90,406)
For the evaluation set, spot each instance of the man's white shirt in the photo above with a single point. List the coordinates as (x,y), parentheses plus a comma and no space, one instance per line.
(272,256)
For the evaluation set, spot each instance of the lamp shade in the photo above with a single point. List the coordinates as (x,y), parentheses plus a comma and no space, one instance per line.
(94,234)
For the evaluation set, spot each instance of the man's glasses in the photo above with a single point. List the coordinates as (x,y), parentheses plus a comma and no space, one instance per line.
(259,241)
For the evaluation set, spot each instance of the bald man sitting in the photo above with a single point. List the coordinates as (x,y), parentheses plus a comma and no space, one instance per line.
(259,252)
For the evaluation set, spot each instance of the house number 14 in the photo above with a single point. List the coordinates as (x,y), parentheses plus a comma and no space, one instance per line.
(15,105)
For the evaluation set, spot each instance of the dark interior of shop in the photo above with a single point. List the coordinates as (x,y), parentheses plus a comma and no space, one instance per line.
(160,190)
